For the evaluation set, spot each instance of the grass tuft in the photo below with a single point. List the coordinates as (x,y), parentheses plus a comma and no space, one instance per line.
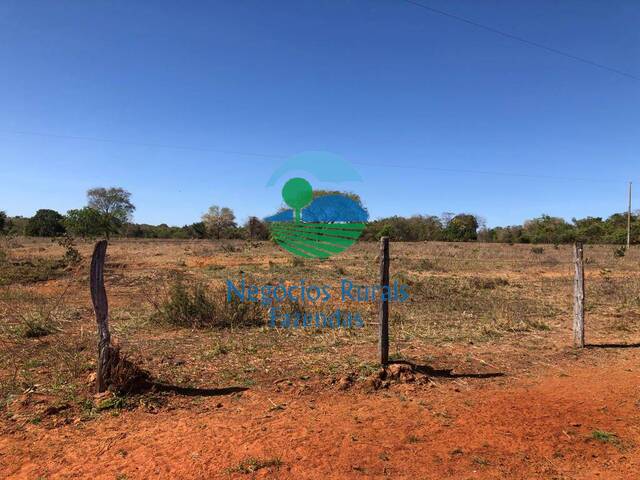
(35,325)
(604,437)
(252,465)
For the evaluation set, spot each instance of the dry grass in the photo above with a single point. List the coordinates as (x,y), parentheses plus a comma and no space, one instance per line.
(472,306)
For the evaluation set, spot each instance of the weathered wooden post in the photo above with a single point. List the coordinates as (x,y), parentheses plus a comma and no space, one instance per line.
(384,301)
(578,296)
(101,308)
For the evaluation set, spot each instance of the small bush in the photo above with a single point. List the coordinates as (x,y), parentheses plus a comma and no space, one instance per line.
(194,306)
(35,325)
(297,262)
(71,254)
(537,250)
(620,251)
(483,283)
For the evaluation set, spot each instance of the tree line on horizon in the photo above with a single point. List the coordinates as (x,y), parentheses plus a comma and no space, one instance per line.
(109,212)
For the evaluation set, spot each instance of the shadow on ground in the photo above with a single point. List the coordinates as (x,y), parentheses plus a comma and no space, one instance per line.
(612,345)
(444,373)
(194,392)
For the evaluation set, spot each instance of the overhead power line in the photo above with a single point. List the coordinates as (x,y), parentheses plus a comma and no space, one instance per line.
(531,43)
(493,173)
(282,157)
(140,144)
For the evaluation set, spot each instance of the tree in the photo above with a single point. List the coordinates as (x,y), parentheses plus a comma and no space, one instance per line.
(589,229)
(17,225)
(196,230)
(85,222)
(219,220)
(462,228)
(417,228)
(45,223)
(257,229)
(353,196)
(385,231)
(114,204)
(510,234)
(548,229)
(3,221)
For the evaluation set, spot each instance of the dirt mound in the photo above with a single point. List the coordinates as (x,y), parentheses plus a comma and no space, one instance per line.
(385,377)
(394,373)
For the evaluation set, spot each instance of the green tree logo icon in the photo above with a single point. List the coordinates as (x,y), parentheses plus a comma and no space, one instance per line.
(297,193)
(329,224)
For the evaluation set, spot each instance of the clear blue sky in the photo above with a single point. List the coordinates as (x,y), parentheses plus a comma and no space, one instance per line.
(379,82)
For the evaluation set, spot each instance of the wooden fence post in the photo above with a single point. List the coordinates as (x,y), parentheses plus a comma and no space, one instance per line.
(578,296)
(101,308)
(384,301)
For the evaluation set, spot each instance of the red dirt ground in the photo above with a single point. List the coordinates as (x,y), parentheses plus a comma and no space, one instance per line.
(516,428)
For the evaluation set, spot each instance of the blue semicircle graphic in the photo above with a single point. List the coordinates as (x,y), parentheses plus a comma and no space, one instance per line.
(326,209)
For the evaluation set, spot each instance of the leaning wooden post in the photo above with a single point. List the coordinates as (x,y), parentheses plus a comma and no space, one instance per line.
(101,308)
(578,296)
(384,301)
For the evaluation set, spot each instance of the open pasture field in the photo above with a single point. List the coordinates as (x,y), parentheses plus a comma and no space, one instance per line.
(496,391)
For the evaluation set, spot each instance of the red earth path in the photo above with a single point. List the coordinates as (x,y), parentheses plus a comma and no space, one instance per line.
(577,422)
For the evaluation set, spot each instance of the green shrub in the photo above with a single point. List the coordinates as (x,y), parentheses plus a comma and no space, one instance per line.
(193,305)
(604,437)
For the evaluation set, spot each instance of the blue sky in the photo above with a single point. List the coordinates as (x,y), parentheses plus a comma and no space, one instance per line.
(177,87)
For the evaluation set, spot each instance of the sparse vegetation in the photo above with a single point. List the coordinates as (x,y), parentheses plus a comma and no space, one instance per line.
(252,465)
(471,307)
(30,271)
(71,254)
(193,305)
(35,325)
(604,437)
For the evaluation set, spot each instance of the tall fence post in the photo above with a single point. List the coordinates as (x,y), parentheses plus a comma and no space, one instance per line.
(383,341)
(101,308)
(578,296)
